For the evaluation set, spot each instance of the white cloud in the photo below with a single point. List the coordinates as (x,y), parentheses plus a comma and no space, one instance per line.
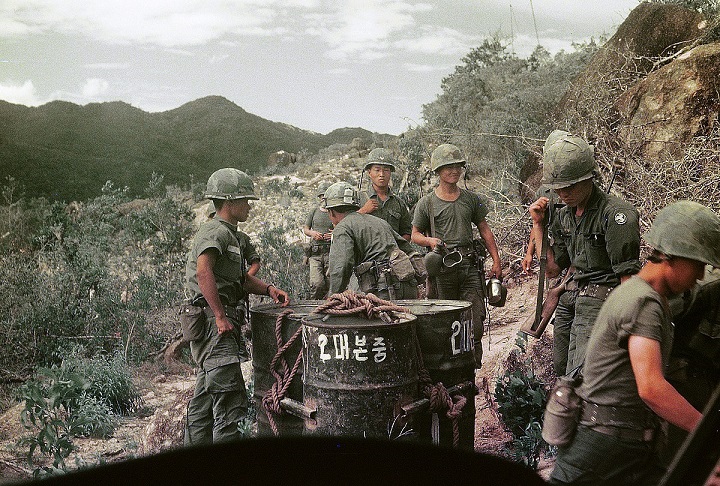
(94,87)
(435,40)
(23,94)
(427,68)
(218,58)
(108,66)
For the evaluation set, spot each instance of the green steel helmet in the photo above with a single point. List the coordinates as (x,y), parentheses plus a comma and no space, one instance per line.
(380,156)
(446,154)
(322,188)
(230,184)
(341,194)
(687,229)
(567,159)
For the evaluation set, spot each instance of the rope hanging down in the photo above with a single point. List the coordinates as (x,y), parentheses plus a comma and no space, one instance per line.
(283,377)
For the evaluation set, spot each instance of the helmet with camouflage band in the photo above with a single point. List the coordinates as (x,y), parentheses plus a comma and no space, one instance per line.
(567,159)
(380,156)
(230,184)
(687,229)
(446,154)
(341,194)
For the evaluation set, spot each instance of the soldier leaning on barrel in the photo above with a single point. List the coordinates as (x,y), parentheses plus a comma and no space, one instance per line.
(218,283)
(367,246)
(624,388)
(318,227)
(445,218)
(378,199)
(597,234)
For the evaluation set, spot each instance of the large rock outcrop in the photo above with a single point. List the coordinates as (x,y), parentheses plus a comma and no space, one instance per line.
(679,101)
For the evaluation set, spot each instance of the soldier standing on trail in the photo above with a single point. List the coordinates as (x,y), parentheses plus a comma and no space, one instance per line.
(378,200)
(319,227)
(367,246)
(598,234)
(624,389)
(445,217)
(218,283)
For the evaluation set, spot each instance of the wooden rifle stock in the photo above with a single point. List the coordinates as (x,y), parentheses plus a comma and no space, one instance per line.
(536,325)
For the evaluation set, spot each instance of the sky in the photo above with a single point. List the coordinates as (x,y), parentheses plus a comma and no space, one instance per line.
(315,64)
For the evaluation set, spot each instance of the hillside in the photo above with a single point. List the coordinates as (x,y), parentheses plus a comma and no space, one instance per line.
(66,152)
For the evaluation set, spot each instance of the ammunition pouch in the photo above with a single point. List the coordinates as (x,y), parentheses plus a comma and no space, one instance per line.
(313,248)
(192,322)
(418,262)
(401,266)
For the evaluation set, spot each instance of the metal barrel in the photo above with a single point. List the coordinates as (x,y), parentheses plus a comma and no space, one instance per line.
(358,373)
(444,333)
(263,319)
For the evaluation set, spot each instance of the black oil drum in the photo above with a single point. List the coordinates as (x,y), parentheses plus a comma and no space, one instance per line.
(264,342)
(357,375)
(444,332)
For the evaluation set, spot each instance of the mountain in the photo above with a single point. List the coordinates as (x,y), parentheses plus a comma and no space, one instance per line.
(65,151)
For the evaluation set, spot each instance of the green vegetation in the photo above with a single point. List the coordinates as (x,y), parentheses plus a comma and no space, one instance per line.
(521,397)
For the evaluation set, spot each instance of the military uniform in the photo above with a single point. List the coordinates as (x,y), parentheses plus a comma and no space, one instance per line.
(318,220)
(220,400)
(393,210)
(364,239)
(249,252)
(602,245)
(453,225)
(613,443)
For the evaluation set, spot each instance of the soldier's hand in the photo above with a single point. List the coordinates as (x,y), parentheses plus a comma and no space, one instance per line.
(278,296)
(370,206)
(434,242)
(327,236)
(318,236)
(527,262)
(538,208)
(223,325)
(496,270)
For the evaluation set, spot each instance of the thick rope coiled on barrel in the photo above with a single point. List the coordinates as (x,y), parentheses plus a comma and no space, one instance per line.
(371,306)
(272,398)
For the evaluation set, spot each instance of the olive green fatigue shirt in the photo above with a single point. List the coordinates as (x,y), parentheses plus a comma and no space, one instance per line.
(318,220)
(633,309)
(393,210)
(453,219)
(603,244)
(249,252)
(360,238)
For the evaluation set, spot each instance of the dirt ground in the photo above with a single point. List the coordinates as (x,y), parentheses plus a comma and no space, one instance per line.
(165,396)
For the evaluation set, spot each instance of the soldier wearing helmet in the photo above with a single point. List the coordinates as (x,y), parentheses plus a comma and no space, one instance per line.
(444,218)
(318,227)
(367,246)
(624,388)
(596,234)
(217,284)
(378,200)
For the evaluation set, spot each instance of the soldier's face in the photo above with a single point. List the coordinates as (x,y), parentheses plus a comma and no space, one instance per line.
(576,194)
(450,174)
(684,274)
(241,209)
(380,175)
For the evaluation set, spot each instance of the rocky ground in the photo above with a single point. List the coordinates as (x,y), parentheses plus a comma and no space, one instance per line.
(165,396)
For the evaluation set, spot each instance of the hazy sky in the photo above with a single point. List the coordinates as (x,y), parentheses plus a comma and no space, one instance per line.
(315,64)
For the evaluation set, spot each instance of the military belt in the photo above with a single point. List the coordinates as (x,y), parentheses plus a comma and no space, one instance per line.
(628,423)
(597,291)
(230,311)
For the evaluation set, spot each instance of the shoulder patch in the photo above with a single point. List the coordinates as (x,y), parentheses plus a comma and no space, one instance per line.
(620,218)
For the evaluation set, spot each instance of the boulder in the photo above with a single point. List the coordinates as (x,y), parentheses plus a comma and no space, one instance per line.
(679,101)
(281,158)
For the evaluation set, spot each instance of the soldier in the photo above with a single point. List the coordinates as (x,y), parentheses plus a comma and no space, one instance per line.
(367,246)
(218,283)
(445,217)
(598,234)
(378,200)
(319,227)
(624,389)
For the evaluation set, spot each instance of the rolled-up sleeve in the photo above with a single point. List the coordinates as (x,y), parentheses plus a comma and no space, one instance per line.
(622,240)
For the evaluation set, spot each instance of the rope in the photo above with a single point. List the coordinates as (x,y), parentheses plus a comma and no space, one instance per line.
(272,398)
(369,305)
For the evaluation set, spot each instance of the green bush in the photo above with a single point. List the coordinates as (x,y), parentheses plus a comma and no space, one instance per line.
(521,399)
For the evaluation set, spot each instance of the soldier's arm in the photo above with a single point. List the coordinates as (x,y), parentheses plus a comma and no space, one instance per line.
(256,286)
(208,286)
(654,389)
(489,239)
